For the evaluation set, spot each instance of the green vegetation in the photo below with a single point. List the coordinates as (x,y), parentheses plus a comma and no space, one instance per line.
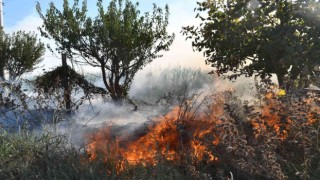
(19,53)
(52,80)
(119,40)
(206,135)
(259,38)
(251,142)
(25,156)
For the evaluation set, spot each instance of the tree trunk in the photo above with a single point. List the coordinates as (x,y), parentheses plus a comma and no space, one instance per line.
(65,82)
(281,81)
(114,90)
(117,95)
(118,101)
(2,73)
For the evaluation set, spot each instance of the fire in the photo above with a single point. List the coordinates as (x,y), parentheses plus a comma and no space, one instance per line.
(162,139)
(313,114)
(178,134)
(174,137)
(102,142)
(272,117)
(278,116)
(187,134)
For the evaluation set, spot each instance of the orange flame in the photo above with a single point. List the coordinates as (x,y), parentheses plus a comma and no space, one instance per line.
(181,134)
(173,137)
(271,118)
(275,115)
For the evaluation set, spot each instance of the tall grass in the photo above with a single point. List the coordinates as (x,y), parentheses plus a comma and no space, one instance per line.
(241,150)
(30,156)
(25,156)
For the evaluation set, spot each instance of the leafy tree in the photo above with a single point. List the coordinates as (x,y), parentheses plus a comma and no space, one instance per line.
(19,53)
(119,41)
(26,52)
(259,37)
(4,51)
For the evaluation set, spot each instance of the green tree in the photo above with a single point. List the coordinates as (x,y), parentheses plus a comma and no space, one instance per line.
(5,44)
(118,40)
(259,37)
(19,53)
(26,51)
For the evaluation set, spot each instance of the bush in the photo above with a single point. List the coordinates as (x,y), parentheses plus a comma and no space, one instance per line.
(25,156)
(275,137)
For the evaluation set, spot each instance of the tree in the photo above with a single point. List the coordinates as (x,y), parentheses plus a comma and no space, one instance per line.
(19,53)
(25,52)
(5,44)
(259,37)
(119,41)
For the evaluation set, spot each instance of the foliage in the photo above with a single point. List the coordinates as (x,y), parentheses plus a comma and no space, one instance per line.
(20,52)
(119,41)
(259,37)
(4,51)
(315,80)
(276,140)
(53,79)
(40,157)
(25,156)
(275,137)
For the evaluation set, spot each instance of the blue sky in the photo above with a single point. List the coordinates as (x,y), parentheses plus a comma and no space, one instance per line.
(17,10)
(22,15)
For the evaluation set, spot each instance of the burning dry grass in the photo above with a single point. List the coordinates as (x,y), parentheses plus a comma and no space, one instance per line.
(221,135)
(277,137)
(174,137)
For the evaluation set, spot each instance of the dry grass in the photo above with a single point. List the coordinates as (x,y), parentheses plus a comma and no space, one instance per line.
(274,138)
